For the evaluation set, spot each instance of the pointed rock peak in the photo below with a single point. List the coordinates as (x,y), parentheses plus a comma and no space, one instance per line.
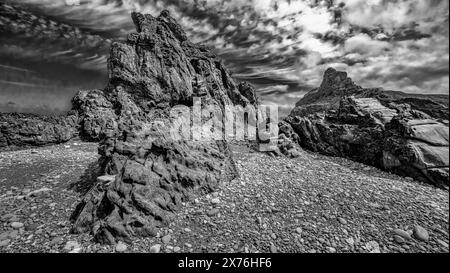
(334,86)
(158,65)
(148,24)
(334,80)
(332,73)
(142,21)
(164,14)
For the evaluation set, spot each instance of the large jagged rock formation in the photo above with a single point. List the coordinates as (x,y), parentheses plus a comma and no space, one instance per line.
(403,133)
(149,172)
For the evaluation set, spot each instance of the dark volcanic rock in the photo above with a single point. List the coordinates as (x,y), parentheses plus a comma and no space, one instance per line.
(335,85)
(403,133)
(22,130)
(92,117)
(287,139)
(96,115)
(155,69)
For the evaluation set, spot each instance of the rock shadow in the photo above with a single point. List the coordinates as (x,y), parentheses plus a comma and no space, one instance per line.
(87,180)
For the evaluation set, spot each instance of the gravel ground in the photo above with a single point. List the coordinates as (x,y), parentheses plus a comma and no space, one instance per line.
(311,204)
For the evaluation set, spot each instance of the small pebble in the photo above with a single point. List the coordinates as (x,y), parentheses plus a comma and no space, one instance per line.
(273,249)
(399,239)
(155,248)
(402,233)
(121,247)
(421,233)
(17,225)
(166,239)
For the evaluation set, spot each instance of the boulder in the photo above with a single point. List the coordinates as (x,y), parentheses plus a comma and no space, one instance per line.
(418,147)
(287,140)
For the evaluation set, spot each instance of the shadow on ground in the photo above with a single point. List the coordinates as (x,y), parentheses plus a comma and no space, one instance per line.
(87,179)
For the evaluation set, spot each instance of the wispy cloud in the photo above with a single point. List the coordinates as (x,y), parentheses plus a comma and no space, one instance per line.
(282,46)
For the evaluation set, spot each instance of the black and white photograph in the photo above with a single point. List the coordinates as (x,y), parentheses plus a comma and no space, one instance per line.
(249,128)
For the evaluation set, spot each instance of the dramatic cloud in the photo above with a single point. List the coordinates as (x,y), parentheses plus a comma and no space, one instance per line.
(281,46)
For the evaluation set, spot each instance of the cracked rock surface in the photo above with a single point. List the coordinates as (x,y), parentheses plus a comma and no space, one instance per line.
(156,69)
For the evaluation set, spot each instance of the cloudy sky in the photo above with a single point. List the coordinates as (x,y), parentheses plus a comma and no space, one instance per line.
(50,49)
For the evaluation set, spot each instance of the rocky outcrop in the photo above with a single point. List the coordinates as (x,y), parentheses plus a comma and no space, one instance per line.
(91,118)
(287,140)
(95,114)
(395,131)
(24,130)
(417,147)
(334,86)
(149,171)
(146,170)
